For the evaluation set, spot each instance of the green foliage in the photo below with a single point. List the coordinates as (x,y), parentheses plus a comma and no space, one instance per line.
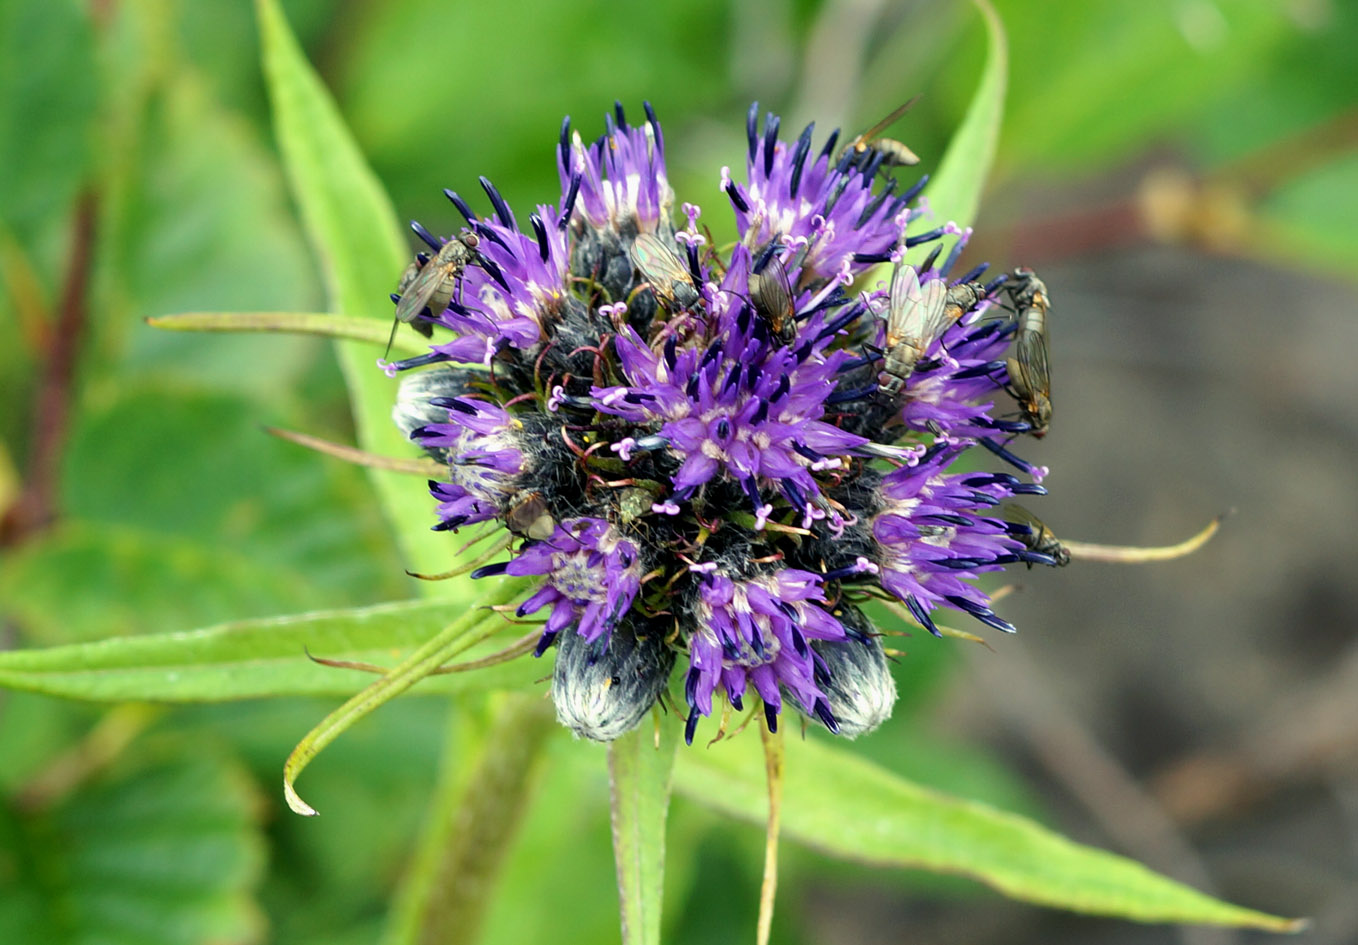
(254,658)
(1312,215)
(162,850)
(488,113)
(124,573)
(353,231)
(45,51)
(955,191)
(850,808)
(562,860)
(1113,76)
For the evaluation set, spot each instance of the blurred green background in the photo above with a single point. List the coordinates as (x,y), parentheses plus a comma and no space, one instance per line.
(1150,149)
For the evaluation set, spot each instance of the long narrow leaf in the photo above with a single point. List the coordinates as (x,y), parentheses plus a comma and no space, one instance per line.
(460,635)
(851,808)
(322,324)
(482,799)
(955,191)
(353,230)
(255,658)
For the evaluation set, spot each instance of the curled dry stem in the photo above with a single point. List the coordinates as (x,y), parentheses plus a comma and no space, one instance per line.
(516,649)
(1132,554)
(424,467)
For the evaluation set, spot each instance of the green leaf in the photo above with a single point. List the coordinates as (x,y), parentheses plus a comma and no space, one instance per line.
(851,808)
(128,583)
(160,852)
(196,217)
(255,658)
(348,216)
(353,230)
(328,886)
(571,827)
(441,137)
(641,772)
(955,191)
(33,731)
(1104,81)
(1310,217)
(227,485)
(48,101)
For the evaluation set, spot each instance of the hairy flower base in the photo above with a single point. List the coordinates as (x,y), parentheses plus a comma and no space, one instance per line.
(720,454)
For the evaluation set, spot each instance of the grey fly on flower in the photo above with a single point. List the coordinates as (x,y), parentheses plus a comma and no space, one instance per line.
(719,455)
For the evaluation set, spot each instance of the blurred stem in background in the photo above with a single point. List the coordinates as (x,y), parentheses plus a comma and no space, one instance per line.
(56,343)
(486,783)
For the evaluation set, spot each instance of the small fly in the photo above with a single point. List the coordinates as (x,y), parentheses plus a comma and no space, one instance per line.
(1034,534)
(431,285)
(407,277)
(662,268)
(916,316)
(894,153)
(771,295)
(1030,369)
(528,516)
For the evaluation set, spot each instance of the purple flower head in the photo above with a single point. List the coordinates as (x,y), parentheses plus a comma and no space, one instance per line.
(956,390)
(481,443)
(718,454)
(742,407)
(621,176)
(935,532)
(516,287)
(756,631)
(823,206)
(593,575)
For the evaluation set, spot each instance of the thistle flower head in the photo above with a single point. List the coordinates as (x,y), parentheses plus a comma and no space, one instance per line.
(719,455)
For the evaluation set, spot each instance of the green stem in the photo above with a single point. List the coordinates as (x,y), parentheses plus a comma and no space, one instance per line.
(640,768)
(474,821)
(345,327)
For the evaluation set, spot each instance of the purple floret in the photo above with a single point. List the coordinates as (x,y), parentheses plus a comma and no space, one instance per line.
(593,575)
(622,175)
(756,632)
(486,459)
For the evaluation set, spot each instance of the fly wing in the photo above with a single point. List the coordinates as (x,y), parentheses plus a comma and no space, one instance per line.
(916,312)
(935,318)
(867,137)
(658,263)
(1018,515)
(432,287)
(420,292)
(409,275)
(1032,362)
(771,292)
(903,301)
